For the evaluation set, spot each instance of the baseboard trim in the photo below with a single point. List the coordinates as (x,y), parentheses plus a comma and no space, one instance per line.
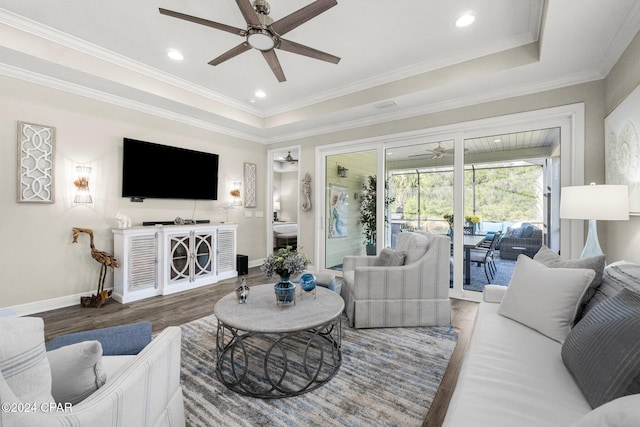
(49,304)
(256,263)
(69,300)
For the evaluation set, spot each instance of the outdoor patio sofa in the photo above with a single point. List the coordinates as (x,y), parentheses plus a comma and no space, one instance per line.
(520,238)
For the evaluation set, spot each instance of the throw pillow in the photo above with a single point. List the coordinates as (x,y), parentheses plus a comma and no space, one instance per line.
(617,276)
(527,231)
(414,244)
(622,412)
(602,352)
(76,371)
(389,257)
(551,259)
(543,298)
(23,360)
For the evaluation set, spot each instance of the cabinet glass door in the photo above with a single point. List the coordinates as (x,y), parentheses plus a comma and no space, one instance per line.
(179,265)
(203,250)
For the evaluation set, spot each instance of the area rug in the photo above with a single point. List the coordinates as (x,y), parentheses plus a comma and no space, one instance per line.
(388,377)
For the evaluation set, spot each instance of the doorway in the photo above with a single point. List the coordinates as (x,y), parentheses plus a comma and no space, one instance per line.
(283,200)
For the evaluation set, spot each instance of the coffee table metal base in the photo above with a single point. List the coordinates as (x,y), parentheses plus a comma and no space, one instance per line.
(275,365)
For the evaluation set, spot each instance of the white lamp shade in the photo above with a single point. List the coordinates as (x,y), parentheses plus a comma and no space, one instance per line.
(276,206)
(599,202)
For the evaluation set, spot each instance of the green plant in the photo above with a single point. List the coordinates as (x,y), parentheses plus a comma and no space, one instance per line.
(286,262)
(368,209)
(449,218)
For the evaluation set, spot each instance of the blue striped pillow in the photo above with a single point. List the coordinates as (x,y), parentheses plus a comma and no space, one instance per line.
(602,351)
(23,360)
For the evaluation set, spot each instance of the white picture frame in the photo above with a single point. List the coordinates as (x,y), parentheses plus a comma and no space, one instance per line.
(622,148)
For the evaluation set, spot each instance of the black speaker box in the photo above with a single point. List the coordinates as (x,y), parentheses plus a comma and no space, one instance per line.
(242,264)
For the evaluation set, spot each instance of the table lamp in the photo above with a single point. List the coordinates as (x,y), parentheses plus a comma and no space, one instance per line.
(276,209)
(594,202)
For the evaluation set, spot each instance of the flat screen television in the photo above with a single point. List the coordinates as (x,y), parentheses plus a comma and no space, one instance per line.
(162,172)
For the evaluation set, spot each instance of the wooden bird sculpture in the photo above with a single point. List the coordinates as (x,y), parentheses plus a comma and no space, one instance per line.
(105,260)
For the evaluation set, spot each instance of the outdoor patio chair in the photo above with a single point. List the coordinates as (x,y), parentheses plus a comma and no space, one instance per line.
(484,256)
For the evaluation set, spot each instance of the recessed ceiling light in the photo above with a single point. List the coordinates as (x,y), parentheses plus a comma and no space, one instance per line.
(175,55)
(465,20)
(260,93)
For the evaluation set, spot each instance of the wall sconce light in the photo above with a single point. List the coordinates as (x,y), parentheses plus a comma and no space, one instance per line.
(82,185)
(235,193)
(343,172)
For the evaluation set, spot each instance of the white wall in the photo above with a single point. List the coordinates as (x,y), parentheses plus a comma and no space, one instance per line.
(38,260)
(289,196)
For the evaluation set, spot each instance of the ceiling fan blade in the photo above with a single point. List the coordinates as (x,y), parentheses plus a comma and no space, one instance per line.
(273,62)
(249,14)
(300,49)
(202,21)
(300,16)
(242,47)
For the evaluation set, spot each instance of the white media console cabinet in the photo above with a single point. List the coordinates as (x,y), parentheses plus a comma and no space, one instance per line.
(161,260)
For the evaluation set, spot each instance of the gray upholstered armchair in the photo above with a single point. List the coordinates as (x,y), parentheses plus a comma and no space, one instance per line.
(415,293)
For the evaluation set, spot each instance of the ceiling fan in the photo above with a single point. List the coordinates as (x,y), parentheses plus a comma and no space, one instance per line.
(289,158)
(437,153)
(265,34)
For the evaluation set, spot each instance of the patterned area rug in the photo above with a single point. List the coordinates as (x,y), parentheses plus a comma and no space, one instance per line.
(388,377)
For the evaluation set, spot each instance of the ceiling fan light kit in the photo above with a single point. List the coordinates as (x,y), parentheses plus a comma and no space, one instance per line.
(264,34)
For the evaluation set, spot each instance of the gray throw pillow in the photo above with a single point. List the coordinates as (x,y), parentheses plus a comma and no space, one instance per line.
(602,351)
(616,277)
(551,259)
(389,258)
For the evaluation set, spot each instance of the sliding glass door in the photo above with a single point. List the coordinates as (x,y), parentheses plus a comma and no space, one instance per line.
(467,181)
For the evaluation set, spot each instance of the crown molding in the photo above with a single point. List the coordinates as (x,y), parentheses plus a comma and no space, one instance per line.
(86,92)
(481,98)
(621,40)
(51,34)
(403,73)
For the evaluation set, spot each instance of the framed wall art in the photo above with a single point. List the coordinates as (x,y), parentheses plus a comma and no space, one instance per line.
(338,219)
(249,185)
(36,149)
(622,148)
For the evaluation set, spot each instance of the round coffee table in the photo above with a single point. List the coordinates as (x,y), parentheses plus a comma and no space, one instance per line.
(269,351)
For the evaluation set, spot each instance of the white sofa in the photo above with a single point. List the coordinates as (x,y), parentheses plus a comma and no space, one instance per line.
(513,375)
(140,390)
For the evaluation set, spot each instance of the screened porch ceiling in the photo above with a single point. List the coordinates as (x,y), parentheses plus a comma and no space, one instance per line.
(530,145)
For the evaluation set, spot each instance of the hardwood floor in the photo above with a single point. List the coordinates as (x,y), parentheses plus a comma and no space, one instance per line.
(176,309)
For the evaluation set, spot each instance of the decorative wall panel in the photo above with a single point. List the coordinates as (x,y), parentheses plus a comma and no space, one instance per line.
(36,149)
(250,185)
